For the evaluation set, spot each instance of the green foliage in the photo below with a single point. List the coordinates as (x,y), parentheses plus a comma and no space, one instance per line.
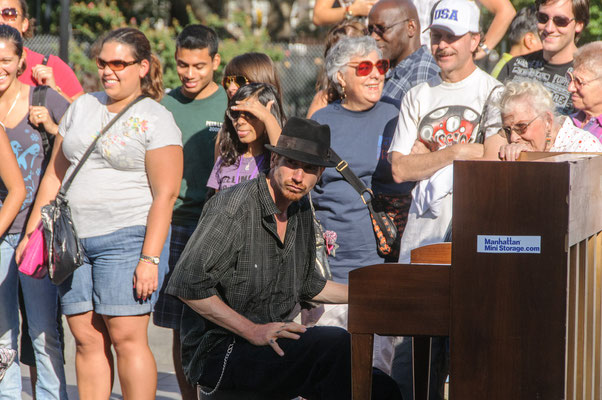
(91,20)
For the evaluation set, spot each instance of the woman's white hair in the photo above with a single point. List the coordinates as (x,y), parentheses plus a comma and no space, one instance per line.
(589,56)
(343,51)
(532,93)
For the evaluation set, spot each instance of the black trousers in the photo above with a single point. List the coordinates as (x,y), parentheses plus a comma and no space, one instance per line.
(317,366)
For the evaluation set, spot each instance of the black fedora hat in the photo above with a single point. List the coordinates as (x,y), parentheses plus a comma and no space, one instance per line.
(306,141)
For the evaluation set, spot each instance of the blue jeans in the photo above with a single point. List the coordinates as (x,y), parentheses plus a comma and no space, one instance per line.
(41,303)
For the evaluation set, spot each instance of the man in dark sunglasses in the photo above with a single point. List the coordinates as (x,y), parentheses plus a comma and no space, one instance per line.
(395,26)
(40,70)
(559,25)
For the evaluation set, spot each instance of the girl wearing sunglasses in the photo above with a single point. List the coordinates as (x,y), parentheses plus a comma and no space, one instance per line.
(26,127)
(121,201)
(253,118)
(359,124)
(244,69)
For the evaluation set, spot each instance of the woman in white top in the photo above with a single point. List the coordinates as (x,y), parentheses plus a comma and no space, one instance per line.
(121,201)
(529,124)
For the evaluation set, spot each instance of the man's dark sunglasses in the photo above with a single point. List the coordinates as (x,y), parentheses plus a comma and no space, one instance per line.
(9,14)
(558,20)
(381,30)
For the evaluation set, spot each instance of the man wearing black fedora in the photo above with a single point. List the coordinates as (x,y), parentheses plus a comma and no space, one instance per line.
(244,272)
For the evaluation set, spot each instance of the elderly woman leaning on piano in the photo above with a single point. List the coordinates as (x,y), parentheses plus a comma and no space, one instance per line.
(531,124)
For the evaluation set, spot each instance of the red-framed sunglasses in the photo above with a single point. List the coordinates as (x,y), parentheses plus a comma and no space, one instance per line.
(114,65)
(9,14)
(363,68)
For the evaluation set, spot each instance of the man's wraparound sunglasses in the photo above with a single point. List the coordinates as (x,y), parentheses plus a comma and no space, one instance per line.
(558,20)
(234,115)
(238,80)
(9,14)
(380,30)
(114,65)
(363,68)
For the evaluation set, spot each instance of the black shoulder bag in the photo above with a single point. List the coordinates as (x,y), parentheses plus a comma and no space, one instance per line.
(64,248)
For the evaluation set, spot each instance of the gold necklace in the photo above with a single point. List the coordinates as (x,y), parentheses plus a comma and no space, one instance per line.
(12,105)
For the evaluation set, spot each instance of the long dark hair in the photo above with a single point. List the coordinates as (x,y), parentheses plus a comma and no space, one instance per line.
(152,83)
(230,147)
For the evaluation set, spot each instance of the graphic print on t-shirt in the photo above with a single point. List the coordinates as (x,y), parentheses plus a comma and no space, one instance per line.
(449,125)
(556,83)
(27,152)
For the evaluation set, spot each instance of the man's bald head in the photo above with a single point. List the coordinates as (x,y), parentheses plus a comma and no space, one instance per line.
(395,26)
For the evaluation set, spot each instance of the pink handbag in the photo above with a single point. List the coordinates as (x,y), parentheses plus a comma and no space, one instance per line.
(35,256)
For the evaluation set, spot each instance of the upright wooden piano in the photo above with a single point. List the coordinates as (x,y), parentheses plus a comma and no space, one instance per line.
(522,298)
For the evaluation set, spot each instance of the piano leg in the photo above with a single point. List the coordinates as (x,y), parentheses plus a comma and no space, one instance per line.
(421,360)
(361,365)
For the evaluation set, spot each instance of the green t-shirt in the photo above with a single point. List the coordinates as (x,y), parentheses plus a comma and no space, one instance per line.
(199,121)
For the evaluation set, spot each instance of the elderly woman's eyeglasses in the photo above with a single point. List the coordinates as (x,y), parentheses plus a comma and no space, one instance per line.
(381,30)
(9,14)
(519,128)
(234,115)
(114,65)
(558,20)
(238,80)
(578,82)
(363,68)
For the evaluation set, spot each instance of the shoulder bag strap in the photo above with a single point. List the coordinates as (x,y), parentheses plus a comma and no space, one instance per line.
(355,182)
(39,99)
(90,149)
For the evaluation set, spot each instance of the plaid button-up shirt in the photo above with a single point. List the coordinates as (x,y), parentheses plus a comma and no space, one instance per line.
(236,254)
(418,67)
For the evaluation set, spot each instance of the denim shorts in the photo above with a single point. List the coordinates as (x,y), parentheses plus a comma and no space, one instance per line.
(104,283)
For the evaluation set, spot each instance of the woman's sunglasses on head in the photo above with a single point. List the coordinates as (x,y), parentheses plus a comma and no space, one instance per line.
(114,65)
(364,68)
(9,14)
(238,80)
(558,20)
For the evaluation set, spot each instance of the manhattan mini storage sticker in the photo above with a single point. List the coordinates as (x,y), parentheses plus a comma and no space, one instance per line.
(508,244)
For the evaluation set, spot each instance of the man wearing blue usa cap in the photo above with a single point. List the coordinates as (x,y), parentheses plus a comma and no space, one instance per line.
(441,121)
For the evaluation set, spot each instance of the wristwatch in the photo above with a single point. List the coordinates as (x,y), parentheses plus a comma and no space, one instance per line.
(149,259)
(348,12)
(485,49)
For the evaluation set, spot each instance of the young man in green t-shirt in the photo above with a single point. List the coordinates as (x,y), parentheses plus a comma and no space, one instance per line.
(198,107)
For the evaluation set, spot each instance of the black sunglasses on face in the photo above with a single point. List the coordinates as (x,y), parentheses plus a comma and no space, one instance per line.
(558,20)
(234,115)
(381,30)
(9,14)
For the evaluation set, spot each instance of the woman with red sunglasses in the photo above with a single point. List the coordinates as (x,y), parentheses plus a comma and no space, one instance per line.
(359,124)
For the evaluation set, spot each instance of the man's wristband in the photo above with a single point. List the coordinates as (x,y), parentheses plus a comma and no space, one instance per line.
(485,49)
(148,259)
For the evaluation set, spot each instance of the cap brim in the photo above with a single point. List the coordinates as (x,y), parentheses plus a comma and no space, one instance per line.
(301,156)
(447,29)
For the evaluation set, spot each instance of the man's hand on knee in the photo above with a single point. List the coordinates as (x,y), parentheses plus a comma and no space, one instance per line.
(268,334)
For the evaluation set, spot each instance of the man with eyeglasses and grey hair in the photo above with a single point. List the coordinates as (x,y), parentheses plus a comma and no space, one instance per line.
(560,23)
